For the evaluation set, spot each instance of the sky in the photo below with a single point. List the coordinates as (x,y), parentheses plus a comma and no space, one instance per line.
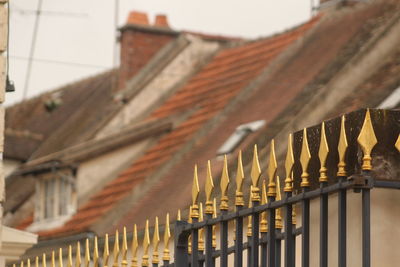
(76,38)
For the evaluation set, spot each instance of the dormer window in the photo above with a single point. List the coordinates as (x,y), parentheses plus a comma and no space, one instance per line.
(55,198)
(237,137)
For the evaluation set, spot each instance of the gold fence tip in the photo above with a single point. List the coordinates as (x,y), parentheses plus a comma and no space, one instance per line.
(209,188)
(289,162)
(224,185)
(264,200)
(278,213)
(305,157)
(178,216)
(249,230)
(239,201)
(21,264)
(397,144)
(156,241)
(195,194)
(28,263)
(95,253)
(214,208)
(214,236)
(106,251)
(342,149)
(146,243)
(78,260)
(69,263)
(87,253)
(60,258)
(116,249)
(367,140)
(272,166)
(124,248)
(323,154)
(134,247)
(255,169)
(36,261)
(201,231)
(167,237)
(44,260)
(53,259)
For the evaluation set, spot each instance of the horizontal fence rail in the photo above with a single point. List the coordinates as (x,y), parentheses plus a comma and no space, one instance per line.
(263,227)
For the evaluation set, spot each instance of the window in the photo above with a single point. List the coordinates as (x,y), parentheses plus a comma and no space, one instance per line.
(240,133)
(55,197)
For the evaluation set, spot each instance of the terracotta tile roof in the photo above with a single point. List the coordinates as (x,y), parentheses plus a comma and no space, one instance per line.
(205,94)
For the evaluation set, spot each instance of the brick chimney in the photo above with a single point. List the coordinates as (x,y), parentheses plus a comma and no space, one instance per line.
(140,41)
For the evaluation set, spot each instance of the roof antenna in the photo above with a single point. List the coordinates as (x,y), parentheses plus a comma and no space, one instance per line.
(32,49)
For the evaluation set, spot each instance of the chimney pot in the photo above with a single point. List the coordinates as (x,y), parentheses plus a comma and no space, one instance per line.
(161,21)
(136,17)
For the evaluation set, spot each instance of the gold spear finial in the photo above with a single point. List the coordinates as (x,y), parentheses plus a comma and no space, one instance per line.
(239,201)
(195,194)
(214,236)
(397,144)
(201,230)
(264,200)
(167,237)
(95,253)
(255,176)
(60,258)
(116,249)
(224,185)
(323,154)
(106,252)
(278,214)
(69,262)
(156,241)
(178,216)
(367,140)
(21,264)
(134,247)
(44,260)
(249,232)
(342,149)
(78,255)
(53,259)
(87,253)
(305,157)
(124,249)
(146,243)
(209,188)
(28,263)
(272,166)
(289,162)
(36,261)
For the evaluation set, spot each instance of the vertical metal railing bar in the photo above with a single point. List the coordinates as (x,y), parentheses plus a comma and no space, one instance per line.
(278,249)
(271,234)
(195,245)
(263,241)
(238,259)
(342,229)
(366,227)
(323,233)
(224,240)
(305,237)
(288,237)
(255,236)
